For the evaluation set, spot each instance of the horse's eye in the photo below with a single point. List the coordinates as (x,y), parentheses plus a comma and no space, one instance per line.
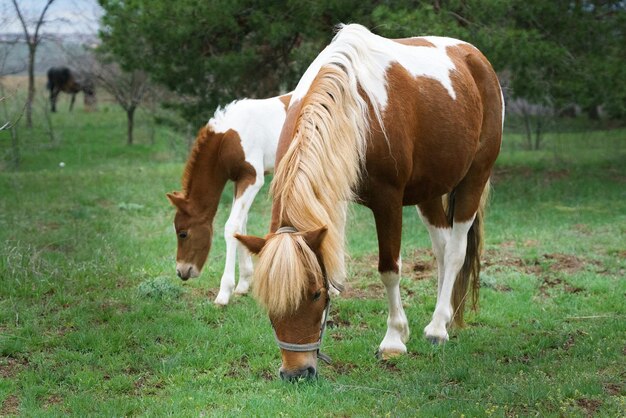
(317,295)
(182,234)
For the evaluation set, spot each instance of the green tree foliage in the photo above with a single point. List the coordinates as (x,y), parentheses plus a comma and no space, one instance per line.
(556,52)
(210,52)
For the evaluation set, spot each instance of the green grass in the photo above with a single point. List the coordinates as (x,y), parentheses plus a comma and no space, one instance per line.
(94,321)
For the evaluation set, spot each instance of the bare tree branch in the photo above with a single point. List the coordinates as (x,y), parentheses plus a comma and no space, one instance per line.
(32,42)
(21,19)
(9,124)
(128,88)
(40,21)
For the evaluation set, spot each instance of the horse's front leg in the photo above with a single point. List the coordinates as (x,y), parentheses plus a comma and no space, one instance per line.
(53,99)
(72,102)
(246,190)
(388,215)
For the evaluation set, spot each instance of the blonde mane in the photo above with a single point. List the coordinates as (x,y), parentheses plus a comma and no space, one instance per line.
(317,175)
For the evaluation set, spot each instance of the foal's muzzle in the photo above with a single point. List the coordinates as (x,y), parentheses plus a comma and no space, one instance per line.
(186,271)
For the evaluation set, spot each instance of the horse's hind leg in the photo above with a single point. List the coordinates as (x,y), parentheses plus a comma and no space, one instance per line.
(53,99)
(459,259)
(72,102)
(453,258)
(434,217)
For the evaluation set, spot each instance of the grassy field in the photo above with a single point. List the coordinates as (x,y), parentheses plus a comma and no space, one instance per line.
(93,320)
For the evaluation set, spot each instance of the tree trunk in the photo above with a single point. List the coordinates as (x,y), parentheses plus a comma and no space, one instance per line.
(538,132)
(529,132)
(15,147)
(12,126)
(593,113)
(130,115)
(31,85)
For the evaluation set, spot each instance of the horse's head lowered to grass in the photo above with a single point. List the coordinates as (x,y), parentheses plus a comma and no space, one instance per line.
(203,182)
(291,284)
(194,234)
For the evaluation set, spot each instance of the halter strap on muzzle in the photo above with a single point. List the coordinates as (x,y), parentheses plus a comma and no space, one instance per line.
(300,348)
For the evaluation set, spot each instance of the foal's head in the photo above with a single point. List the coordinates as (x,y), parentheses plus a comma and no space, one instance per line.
(290,284)
(194,235)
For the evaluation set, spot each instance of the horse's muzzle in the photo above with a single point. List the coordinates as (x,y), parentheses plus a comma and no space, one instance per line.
(292,376)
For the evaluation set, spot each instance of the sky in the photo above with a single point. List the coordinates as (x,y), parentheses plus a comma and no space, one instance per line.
(62,17)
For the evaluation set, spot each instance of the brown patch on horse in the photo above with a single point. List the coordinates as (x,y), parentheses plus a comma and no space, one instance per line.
(285,99)
(214,159)
(424,160)
(416,41)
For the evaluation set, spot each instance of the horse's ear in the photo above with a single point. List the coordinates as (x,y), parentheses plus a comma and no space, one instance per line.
(314,238)
(178,200)
(252,243)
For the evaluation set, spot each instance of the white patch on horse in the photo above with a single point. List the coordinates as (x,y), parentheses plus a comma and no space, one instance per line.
(258,123)
(354,42)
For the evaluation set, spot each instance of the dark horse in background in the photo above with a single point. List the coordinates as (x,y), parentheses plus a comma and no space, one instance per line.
(62,79)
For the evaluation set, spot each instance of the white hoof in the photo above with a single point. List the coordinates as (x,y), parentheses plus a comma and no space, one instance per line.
(222,298)
(242,287)
(436,333)
(390,350)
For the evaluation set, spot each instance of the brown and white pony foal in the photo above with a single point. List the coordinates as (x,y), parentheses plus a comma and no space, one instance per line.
(387,123)
(237,144)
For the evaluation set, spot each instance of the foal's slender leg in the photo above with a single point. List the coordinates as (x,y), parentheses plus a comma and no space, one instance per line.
(245,192)
(72,102)
(388,217)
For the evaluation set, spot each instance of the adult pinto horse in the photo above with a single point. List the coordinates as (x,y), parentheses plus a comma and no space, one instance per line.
(387,123)
(61,79)
(238,144)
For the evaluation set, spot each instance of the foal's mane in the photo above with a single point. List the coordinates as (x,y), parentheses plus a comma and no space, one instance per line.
(219,122)
(317,175)
(204,135)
